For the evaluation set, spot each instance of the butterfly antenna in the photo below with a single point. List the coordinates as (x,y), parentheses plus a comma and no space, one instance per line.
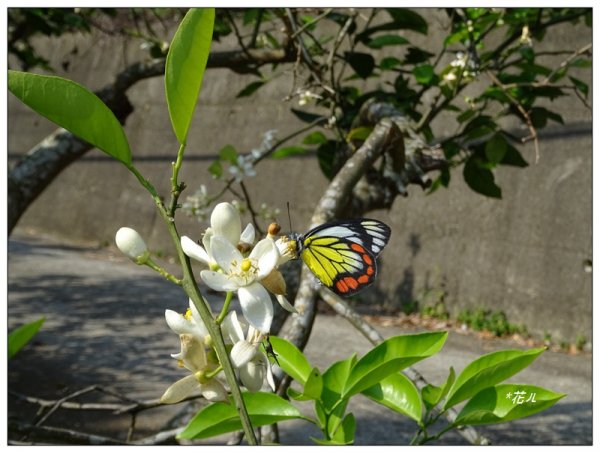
(289,215)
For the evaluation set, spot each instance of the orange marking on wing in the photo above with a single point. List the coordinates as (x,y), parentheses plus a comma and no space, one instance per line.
(341,286)
(367,259)
(370,270)
(351,282)
(357,248)
(363,279)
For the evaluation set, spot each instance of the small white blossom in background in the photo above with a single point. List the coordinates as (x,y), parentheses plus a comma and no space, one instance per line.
(526,37)
(307,96)
(131,244)
(198,204)
(244,166)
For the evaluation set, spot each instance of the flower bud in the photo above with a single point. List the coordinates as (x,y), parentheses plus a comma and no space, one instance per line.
(131,244)
(225,221)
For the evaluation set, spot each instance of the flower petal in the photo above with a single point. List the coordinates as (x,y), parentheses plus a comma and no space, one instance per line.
(285,304)
(256,306)
(265,360)
(248,234)
(202,330)
(267,255)
(180,390)
(241,353)
(224,253)
(218,281)
(225,221)
(193,250)
(177,322)
(213,390)
(192,353)
(252,376)
(232,328)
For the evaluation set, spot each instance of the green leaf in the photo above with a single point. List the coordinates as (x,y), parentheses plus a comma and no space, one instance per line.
(407,19)
(424,74)
(389,63)
(185,66)
(362,63)
(344,435)
(495,148)
(505,402)
(308,117)
(581,86)
(391,356)
(488,370)
(73,108)
(432,394)
(326,155)
(220,418)
(312,389)
(334,381)
(19,337)
(229,154)
(480,179)
(250,88)
(315,138)
(386,40)
(291,359)
(359,133)
(398,393)
(513,157)
(288,151)
(216,169)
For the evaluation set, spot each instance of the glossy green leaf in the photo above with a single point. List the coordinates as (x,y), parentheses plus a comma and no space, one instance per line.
(308,117)
(389,63)
(312,389)
(73,108)
(432,394)
(344,435)
(391,356)
(334,381)
(506,402)
(495,148)
(220,418)
(185,66)
(291,359)
(488,370)
(398,393)
(386,40)
(480,179)
(22,335)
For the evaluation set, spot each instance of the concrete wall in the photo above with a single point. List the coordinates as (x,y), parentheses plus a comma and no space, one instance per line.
(524,255)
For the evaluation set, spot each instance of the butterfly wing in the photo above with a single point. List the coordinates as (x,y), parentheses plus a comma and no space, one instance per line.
(342,254)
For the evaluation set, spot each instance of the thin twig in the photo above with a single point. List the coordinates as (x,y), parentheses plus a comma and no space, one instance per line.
(521,109)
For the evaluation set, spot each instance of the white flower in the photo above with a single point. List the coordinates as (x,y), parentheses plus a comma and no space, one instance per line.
(243,275)
(244,167)
(246,356)
(131,244)
(194,357)
(224,221)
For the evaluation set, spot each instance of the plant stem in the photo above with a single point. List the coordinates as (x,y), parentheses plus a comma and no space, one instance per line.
(152,265)
(225,308)
(191,288)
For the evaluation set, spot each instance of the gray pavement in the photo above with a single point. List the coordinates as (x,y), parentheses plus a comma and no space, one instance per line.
(105,326)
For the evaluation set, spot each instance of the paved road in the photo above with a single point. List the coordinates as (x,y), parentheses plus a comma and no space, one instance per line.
(105,325)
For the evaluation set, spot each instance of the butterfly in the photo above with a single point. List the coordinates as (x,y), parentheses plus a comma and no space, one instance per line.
(343,254)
